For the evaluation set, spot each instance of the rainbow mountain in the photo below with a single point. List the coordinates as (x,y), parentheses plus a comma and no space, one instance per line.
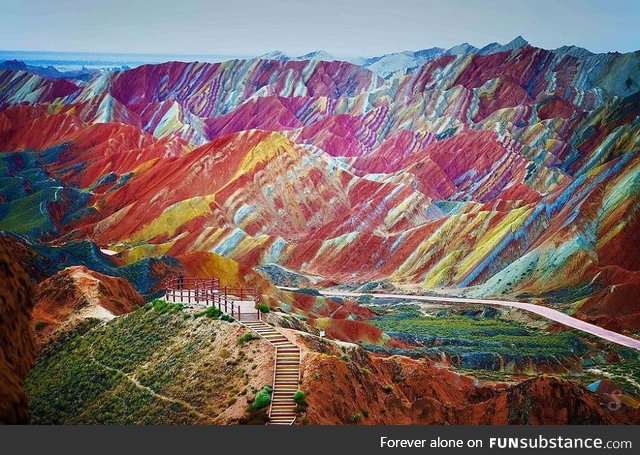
(507,171)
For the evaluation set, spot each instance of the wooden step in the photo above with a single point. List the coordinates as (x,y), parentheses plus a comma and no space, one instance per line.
(287,373)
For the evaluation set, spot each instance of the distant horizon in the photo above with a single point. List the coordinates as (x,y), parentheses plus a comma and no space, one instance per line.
(343,28)
(233,55)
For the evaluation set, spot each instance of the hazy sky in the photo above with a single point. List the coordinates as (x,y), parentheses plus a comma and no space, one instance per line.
(341,27)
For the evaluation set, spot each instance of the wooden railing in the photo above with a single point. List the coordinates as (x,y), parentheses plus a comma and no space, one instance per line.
(207,292)
(192,283)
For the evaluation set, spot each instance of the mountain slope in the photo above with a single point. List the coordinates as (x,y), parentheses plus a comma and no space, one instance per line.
(506,170)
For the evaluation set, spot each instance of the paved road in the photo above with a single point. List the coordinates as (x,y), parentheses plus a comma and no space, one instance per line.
(548,313)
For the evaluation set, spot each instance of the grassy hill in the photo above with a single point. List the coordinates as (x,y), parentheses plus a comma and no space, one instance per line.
(156,365)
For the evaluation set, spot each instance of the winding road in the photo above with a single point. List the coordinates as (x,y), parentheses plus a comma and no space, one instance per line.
(548,313)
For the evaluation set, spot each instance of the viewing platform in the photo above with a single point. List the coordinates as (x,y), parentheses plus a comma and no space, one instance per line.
(242,304)
(198,293)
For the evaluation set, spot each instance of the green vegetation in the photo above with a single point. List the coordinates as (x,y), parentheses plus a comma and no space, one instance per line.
(245,339)
(263,398)
(472,335)
(355,418)
(299,398)
(481,344)
(211,312)
(151,366)
(264,308)
(625,372)
(162,306)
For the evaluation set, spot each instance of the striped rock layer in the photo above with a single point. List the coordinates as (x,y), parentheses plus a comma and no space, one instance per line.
(503,173)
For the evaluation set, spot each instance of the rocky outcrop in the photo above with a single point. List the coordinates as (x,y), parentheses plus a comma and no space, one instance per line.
(16,338)
(76,294)
(344,384)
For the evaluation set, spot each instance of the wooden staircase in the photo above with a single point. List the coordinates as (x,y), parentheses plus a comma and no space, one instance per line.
(286,373)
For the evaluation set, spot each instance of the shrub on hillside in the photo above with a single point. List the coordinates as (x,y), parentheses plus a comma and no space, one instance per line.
(263,398)
(299,398)
(162,306)
(245,338)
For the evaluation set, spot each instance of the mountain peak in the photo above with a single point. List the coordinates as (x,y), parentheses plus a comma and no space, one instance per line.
(317,55)
(464,48)
(274,55)
(517,42)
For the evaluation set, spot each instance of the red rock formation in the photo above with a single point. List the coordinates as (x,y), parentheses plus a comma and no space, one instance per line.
(16,338)
(77,293)
(617,305)
(397,390)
